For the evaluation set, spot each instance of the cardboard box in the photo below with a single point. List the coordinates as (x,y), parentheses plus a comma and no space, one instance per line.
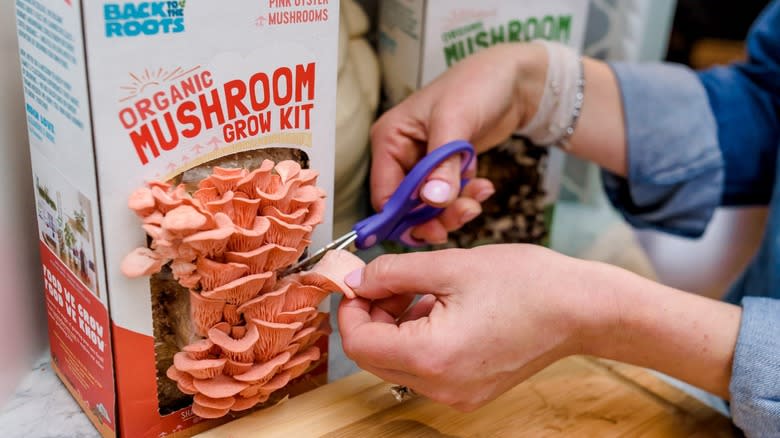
(420,39)
(119,93)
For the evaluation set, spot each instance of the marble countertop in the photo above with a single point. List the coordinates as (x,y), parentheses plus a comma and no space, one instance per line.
(43,408)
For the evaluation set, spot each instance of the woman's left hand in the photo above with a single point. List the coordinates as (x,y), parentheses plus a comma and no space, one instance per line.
(495,315)
(490,318)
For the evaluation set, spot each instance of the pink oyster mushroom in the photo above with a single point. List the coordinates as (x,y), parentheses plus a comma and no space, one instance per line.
(227,243)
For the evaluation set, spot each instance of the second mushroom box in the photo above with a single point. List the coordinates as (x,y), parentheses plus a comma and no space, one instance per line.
(184,157)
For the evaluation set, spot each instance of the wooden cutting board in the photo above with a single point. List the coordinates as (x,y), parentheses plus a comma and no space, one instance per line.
(578,396)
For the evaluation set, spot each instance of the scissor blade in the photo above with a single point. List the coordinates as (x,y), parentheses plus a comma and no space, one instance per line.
(307,263)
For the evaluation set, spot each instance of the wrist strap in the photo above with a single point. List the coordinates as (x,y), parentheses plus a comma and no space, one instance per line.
(561,103)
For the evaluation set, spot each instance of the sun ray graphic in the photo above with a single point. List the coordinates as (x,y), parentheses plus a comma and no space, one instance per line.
(139,82)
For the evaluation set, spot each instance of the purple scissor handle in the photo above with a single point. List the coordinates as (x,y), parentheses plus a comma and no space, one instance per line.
(405,209)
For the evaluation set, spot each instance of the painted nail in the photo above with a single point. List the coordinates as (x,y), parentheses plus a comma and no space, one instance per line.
(484,194)
(354,278)
(469,215)
(436,191)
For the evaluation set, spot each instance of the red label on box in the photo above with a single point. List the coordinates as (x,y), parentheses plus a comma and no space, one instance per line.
(80,338)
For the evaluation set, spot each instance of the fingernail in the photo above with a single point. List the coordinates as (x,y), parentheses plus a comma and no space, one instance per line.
(483,195)
(354,278)
(436,191)
(469,215)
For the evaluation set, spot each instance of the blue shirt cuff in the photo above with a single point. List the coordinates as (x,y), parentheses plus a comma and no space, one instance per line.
(675,168)
(755,380)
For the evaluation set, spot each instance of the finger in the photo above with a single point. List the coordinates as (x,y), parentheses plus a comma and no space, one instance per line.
(420,309)
(461,212)
(456,215)
(446,125)
(480,189)
(432,232)
(374,343)
(442,184)
(396,145)
(390,309)
(403,274)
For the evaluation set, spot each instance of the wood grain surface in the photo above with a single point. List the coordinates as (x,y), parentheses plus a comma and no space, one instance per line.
(578,396)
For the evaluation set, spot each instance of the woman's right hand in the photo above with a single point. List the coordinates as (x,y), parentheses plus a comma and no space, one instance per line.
(482,99)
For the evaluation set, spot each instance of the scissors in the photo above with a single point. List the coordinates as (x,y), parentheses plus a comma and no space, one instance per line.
(402,212)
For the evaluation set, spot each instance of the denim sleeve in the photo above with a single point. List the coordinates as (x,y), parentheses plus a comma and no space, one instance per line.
(675,167)
(745,99)
(755,381)
(699,140)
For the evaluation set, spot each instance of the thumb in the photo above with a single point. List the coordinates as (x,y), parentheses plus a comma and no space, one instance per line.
(443,184)
(402,274)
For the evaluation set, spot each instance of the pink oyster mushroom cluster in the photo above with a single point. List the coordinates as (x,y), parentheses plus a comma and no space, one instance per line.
(227,243)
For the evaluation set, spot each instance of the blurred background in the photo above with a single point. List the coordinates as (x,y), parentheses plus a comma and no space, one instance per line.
(699,33)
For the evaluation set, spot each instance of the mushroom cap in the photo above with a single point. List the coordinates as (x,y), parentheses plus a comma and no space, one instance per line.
(302,295)
(205,312)
(274,338)
(287,170)
(284,234)
(237,348)
(198,368)
(278,382)
(142,262)
(245,211)
(215,274)
(214,403)
(155,218)
(303,315)
(199,349)
(240,290)
(212,242)
(257,178)
(206,195)
(263,372)
(184,219)
(256,260)
(141,201)
(221,386)
(266,306)
(296,217)
(329,272)
(232,367)
(163,201)
(245,403)
(316,214)
(301,361)
(281,257)
(308,177)
(207,412)
(244,240)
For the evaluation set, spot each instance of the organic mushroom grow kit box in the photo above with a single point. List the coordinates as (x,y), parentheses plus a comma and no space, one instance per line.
(420,39)
(183,156)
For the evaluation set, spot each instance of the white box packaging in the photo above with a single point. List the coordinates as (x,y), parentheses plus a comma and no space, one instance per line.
(120,93)
(420,39)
